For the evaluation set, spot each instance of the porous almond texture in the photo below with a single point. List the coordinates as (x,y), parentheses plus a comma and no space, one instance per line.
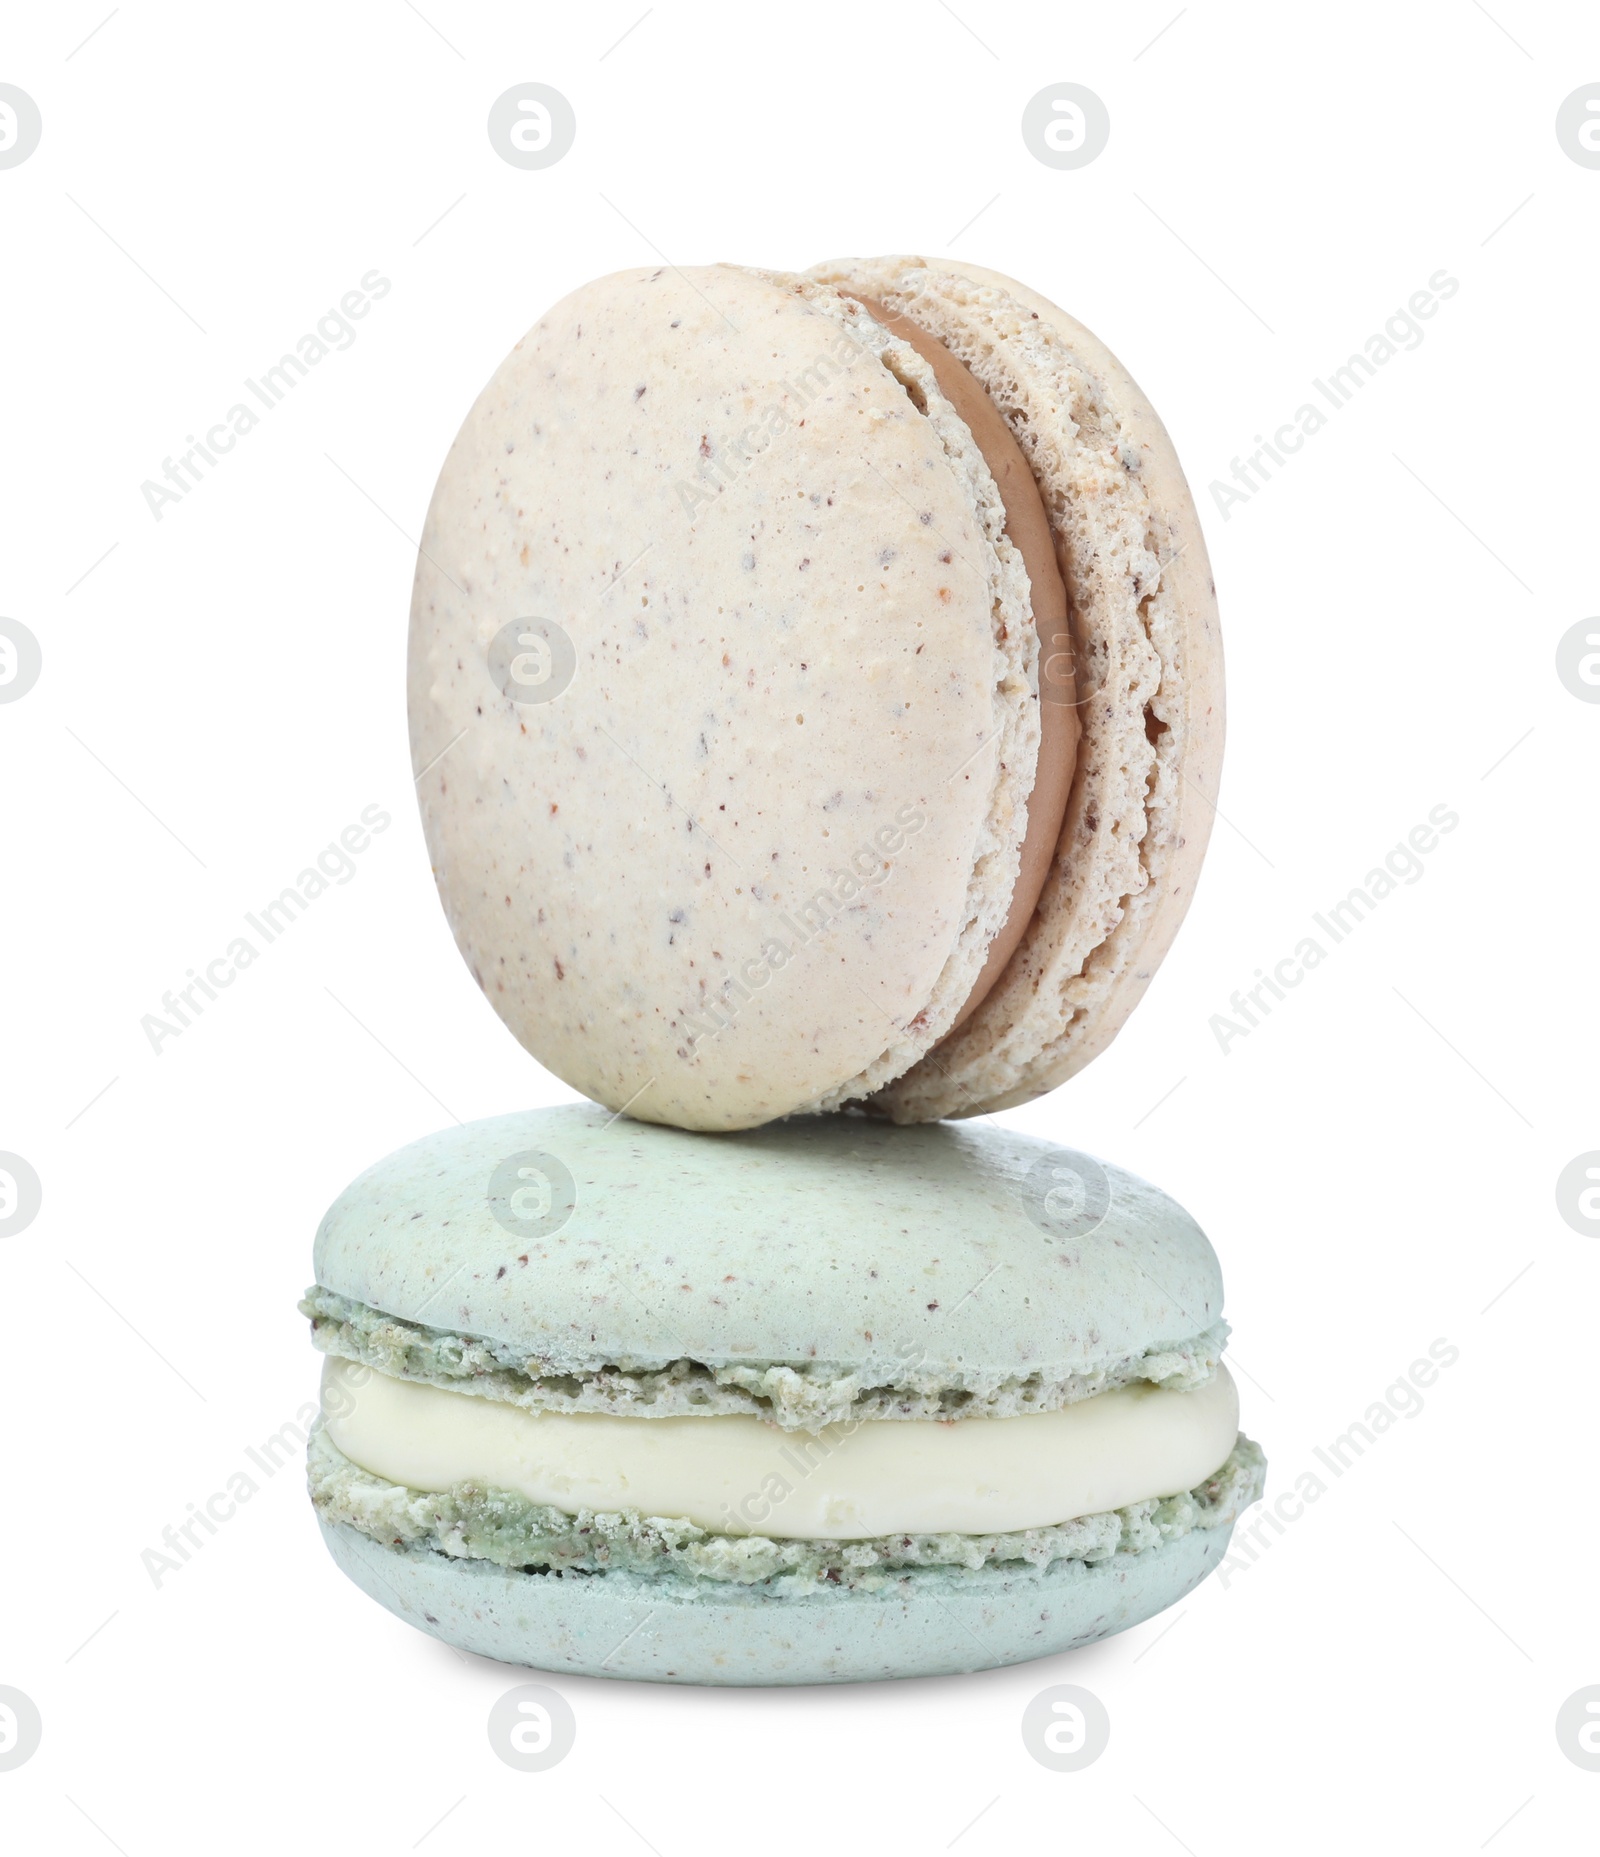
(1149,685)
(478,1523)
(799,1395)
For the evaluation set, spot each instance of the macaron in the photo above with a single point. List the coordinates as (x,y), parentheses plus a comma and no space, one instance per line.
(823,1402)
(815,692)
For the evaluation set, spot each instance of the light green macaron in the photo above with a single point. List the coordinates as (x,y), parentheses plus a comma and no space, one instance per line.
(788,1406)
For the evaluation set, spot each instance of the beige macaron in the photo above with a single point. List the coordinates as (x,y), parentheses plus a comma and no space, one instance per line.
(815,692)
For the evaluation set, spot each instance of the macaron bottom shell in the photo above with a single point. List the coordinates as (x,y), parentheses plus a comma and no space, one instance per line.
(936,1622)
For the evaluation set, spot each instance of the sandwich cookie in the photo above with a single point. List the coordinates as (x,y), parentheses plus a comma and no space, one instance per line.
(815,692)
(823,1402)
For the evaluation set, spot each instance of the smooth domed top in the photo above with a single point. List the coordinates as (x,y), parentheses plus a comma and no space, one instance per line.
(970,1256)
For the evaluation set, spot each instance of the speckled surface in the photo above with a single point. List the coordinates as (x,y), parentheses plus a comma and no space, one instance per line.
(757,847)
(932,1622)
(749,861)
(819,1268)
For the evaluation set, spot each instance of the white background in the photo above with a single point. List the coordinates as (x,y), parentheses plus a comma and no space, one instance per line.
(1376,1163)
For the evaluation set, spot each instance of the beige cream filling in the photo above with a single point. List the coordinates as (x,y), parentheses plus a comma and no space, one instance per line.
(1028,527)
(732,1474)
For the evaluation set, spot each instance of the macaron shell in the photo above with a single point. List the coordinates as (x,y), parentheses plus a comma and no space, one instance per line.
(821,1256)
(787,683)
(1150,664)
(667,1630)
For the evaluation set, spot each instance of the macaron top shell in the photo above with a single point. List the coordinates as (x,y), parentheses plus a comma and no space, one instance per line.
(817,1268)
(748,856)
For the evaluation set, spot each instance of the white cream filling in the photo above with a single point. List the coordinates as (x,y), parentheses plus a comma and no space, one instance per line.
(741,1475)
